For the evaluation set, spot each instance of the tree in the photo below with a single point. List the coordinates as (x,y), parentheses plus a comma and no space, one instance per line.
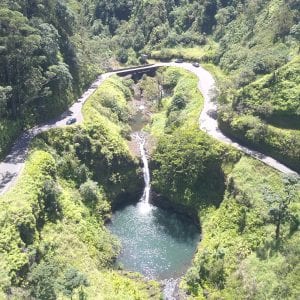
(49,42)
(223,17)
(150,88)
(122,55)
(179,102)
(19,66)
(139,41)
(279,211)
(50,196)
(61,78)
(4,97)
(257,133)
(65,17)
(42,281)
(149,15)
(73,280)
(89,191)
(282,22)
(295,31)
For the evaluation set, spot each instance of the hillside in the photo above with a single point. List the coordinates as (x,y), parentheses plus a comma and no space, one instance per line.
(265,114)
(53,240)
(51,51)
(243,253)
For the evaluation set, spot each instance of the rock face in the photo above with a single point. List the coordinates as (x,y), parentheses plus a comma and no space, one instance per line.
(165,203)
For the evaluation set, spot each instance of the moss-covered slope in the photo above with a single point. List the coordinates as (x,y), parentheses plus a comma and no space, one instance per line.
(249,214)
(53,242)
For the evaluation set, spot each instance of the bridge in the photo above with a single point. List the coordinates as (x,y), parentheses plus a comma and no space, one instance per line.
(138,71)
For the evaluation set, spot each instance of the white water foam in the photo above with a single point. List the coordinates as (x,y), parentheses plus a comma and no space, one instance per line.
(144,205)
(170,291)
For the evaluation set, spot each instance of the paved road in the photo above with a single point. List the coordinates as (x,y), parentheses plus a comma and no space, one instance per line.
(13,164)
(209,124)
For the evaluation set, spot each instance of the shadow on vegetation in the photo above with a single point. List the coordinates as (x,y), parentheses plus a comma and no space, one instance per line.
(179,226)
(285,122)
(6,178)
(126,198)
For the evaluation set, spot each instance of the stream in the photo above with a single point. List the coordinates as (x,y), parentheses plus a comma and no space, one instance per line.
(157,243)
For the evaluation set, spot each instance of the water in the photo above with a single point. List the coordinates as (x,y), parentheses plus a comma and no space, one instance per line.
(138,121)
(157,243)
(145,205)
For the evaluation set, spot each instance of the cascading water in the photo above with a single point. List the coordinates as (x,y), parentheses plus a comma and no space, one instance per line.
(158,243)
(170,285)
(144,204)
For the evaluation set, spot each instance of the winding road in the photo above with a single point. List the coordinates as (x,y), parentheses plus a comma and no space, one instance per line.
(13,164)
(209,124)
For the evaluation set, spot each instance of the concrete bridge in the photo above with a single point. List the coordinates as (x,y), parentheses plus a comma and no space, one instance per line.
(138,72)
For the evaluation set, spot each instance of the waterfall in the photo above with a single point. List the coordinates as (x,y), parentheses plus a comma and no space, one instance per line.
(144,201)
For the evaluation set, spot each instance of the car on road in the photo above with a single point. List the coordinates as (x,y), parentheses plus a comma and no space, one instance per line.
(196,64)
(71,121)
(179,60)
(213,114)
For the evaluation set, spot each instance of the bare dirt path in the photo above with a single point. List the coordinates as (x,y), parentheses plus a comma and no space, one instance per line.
(13,164)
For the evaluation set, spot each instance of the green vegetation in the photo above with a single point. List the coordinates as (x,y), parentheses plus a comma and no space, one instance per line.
(9,130)
(273,98)
(40,69)
(53,242)
(280,144)
(186,161)
(250,223)
(204,53)
(188,169)
(50,51)
(240,254)
(259,51)
(182,105)
(107,107)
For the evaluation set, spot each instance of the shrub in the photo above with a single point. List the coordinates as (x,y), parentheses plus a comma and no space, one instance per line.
(89,192)
(122,56)
(42,281)
(50,196)
(73,280)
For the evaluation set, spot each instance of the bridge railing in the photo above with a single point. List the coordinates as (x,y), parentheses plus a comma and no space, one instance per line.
(132,68)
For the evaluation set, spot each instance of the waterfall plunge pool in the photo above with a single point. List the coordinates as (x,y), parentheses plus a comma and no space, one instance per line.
(157,243)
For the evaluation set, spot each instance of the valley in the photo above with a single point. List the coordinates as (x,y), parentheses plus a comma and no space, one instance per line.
(149,149)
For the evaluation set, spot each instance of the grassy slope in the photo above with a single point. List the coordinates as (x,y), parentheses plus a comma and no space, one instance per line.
(273,98)
(280,90)
(238,240)
(183,82)
(77,237)
(264,74)
(188,53)
(238,256)
(277,133)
